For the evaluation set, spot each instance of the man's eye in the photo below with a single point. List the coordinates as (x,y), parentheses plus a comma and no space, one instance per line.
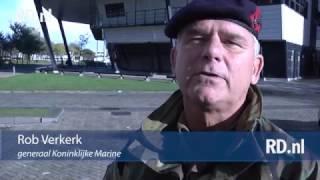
(232,43)
(196,39)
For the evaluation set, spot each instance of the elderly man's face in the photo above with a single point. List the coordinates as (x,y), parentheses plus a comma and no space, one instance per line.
(215,63)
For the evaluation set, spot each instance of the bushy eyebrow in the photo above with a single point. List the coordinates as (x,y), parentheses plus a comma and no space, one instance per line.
(234,36)
(194,31)
(225,34)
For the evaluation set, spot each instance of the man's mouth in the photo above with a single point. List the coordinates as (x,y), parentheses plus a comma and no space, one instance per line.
(209,74)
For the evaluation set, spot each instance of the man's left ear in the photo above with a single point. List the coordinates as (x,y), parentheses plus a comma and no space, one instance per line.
(173,60)
(257,68)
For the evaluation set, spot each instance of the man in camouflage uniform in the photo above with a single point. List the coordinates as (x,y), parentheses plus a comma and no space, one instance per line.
(217,65)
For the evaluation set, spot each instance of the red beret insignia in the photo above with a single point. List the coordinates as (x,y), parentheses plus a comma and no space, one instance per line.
(255,18)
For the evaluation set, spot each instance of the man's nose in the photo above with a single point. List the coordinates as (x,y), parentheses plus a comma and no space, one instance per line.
(213,50)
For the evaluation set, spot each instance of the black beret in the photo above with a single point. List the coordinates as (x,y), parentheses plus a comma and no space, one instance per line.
(243,12)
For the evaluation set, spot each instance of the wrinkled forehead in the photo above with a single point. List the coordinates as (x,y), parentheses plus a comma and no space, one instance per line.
(223,27)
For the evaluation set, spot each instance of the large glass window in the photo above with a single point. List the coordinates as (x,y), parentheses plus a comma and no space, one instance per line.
(300,6)
(115,10)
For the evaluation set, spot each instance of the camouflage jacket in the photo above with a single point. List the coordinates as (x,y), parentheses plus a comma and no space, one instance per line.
(165,118)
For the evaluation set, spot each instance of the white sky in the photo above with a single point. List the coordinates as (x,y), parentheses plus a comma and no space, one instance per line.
(24,11)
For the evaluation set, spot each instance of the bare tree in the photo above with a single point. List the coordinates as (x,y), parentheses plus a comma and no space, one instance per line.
(83,41)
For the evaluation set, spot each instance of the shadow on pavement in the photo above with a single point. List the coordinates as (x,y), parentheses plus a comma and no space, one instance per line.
(289,125)
(20,68)
(299,106)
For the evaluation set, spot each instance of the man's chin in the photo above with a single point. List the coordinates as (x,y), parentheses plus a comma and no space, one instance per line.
(206,90)
(206,95)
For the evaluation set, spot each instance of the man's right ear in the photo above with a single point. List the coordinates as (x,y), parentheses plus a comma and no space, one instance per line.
(173,60)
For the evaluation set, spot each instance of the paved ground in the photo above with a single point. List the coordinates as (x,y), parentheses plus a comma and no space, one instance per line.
(294,106)
(6,74)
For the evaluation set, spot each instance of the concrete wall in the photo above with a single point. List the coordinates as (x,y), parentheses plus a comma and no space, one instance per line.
(138,34)
(279,22)
(135,11)
(147,4)
(292,26)
(271,22)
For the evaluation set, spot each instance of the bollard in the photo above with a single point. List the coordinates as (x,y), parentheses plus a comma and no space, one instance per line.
(147,79)
(14,70)
(55,72)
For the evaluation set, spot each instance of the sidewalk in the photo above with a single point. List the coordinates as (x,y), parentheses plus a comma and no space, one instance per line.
(296,87)
(290,104)
(6,74)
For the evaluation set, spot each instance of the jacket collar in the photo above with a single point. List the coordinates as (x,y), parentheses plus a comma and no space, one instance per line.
(167,115)
(166,118)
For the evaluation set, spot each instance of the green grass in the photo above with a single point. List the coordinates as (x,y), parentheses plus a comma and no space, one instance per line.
(30,82)
(24,112)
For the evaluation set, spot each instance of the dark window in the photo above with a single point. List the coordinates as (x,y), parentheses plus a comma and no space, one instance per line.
(305,10)
(267,2)
(114,10)
(300,6)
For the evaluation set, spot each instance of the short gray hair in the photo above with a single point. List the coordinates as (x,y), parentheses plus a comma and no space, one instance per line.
(257,46)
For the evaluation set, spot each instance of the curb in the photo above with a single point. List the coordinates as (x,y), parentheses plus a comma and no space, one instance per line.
(7,122)
(85,92)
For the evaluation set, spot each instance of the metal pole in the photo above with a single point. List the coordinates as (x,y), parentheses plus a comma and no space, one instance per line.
(292,69)
(69,62)
(45,32)
(97,48)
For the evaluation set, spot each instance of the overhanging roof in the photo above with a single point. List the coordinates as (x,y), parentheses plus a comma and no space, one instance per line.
(80,11)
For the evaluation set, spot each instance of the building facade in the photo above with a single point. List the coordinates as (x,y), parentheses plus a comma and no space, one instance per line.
(133,32)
